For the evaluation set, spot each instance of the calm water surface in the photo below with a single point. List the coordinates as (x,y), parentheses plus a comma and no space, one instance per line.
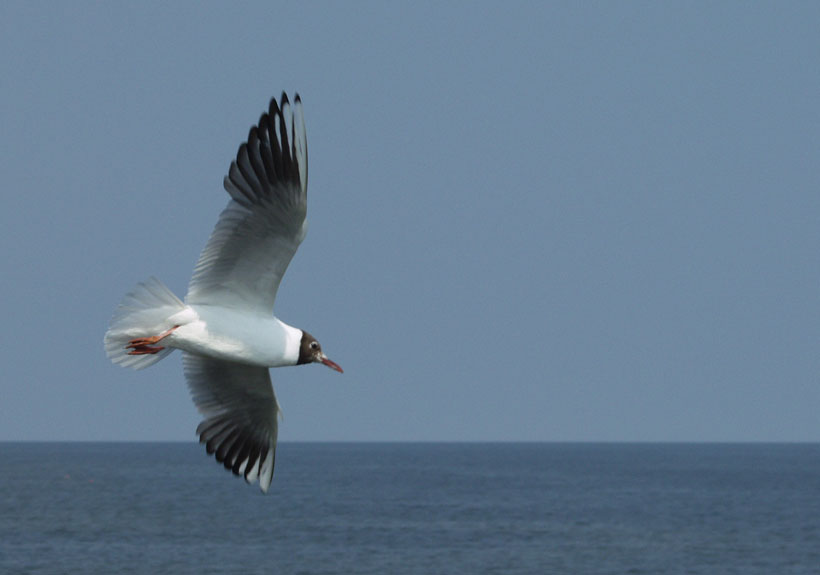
(101,508)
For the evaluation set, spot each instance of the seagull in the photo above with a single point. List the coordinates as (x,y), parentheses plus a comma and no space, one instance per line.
(225,328)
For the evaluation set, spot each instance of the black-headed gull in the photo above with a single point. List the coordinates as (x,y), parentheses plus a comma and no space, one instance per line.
(225,328)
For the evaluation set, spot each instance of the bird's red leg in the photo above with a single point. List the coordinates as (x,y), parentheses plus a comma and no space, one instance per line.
(145,345)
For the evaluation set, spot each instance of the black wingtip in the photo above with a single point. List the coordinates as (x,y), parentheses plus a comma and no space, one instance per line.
(284,101)
(297,98)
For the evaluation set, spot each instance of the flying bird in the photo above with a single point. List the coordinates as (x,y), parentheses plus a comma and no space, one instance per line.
(225,328)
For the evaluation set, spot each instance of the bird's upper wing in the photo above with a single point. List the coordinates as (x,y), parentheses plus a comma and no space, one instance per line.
(261,228)
(240,412)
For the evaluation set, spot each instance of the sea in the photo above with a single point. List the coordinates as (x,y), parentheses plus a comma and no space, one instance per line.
(413,508)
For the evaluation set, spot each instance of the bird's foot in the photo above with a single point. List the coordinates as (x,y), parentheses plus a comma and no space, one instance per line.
(141,349)
(145,345)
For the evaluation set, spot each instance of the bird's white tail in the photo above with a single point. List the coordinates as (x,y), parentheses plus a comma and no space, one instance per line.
(143,312)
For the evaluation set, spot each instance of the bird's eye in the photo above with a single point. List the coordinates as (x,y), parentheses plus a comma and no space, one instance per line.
(314,345)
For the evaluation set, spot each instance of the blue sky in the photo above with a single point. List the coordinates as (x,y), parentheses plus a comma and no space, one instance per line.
(529,221)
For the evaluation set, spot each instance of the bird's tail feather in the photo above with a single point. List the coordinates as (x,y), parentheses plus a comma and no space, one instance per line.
(143,312)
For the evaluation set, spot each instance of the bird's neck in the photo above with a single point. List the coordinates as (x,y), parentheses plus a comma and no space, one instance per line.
(293,340)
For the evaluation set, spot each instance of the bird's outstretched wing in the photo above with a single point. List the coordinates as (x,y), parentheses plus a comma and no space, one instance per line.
(240,412)
(261,228)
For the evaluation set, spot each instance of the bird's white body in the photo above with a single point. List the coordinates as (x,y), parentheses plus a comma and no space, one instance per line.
(236,335)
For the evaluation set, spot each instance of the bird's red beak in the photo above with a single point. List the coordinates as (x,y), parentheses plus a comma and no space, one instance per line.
(332,364)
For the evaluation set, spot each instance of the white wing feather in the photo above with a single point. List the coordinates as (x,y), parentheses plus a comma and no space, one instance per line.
(260,230)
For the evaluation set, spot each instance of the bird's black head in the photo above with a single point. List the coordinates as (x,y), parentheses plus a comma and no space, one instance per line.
(310,351)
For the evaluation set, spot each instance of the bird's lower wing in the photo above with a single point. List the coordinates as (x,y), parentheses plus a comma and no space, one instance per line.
(240,424)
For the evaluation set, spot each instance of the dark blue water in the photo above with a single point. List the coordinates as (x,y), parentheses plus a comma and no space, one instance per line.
(413,508)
